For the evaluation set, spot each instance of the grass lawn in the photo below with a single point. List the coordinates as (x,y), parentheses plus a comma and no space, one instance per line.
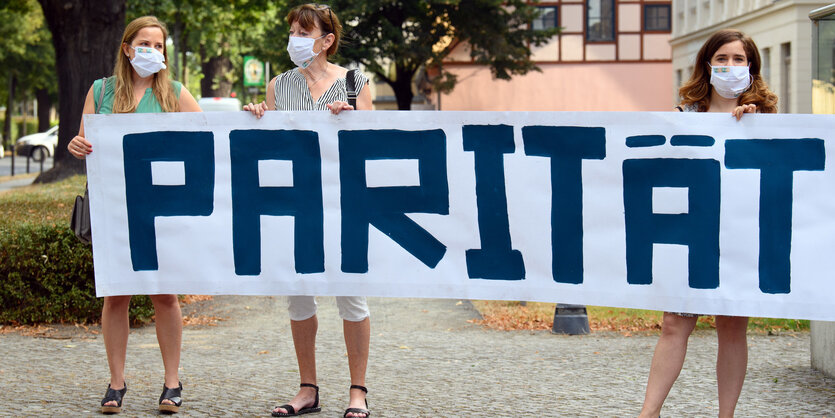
(511,315)
(40,203)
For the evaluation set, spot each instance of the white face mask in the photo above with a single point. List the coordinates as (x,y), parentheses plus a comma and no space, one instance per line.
(730,81)
(147,61)
(301,50)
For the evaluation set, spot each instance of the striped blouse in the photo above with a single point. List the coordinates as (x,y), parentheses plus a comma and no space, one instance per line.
(292,93)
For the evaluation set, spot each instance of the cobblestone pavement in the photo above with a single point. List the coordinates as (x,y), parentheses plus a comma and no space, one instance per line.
(426,360)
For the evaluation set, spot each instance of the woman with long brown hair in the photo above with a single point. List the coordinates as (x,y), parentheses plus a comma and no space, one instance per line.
(728,57)
(140,84)
(726,79)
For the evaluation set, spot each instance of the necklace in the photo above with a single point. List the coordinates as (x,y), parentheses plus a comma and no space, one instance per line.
(321,76)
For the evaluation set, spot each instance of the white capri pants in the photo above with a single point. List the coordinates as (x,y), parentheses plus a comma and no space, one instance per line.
(351,308)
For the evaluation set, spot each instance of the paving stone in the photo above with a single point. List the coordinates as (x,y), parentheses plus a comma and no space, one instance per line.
(426,360)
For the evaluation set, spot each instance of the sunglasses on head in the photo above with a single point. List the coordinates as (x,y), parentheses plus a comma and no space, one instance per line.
(330,15)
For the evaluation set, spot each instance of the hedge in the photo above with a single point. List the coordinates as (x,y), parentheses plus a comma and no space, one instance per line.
(47,274)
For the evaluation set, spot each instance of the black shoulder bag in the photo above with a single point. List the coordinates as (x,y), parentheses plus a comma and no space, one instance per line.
(351,87)
(80,220)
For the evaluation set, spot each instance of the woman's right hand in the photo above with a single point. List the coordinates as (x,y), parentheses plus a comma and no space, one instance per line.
(79,147)
(747,108)
(257,109)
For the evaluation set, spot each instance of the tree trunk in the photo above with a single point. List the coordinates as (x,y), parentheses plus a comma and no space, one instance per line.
(24,113)
(86,35)
(184,79)
(402,86)
(44,107)
(182,50)
(7,124)
(214,82)
(177,35)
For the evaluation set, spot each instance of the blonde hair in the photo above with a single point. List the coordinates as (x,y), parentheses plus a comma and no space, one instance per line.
(697,90)
(123,98)
(309,14)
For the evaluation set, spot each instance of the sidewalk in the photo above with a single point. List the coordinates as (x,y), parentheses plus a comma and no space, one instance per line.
(426,360)
(16,182)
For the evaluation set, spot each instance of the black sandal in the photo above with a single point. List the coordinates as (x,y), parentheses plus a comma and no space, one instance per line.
(174,395)
(113,395)
(291,412)
(358,410)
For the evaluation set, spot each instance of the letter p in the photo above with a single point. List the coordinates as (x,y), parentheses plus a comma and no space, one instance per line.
(146,200)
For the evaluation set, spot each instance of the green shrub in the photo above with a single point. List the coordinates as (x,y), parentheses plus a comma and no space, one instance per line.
(46,273)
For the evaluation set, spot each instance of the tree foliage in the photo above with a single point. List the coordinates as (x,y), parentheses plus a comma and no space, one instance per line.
(395,39)
(26,55)
(219,32)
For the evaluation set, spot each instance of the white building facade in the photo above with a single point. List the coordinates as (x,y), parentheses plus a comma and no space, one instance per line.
(780,28)
(823,102)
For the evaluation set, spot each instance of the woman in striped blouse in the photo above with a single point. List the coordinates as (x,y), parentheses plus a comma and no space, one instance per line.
(317,84)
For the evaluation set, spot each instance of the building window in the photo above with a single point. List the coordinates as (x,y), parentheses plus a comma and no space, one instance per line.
(657,17)
(600,21)
(547,18)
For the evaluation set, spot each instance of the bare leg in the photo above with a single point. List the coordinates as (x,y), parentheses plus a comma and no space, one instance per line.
(667,361)
(357,341)
(115,327)
(304,340)
(169,325)
(731,361)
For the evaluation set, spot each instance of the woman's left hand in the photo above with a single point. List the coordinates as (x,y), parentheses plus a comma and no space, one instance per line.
(739,110)
(338,106)
(257,109)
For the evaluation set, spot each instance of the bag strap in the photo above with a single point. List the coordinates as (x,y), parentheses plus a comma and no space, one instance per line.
(98,107)
(101,93)
(351,88)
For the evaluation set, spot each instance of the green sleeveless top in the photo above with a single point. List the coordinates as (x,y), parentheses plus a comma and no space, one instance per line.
(148,104)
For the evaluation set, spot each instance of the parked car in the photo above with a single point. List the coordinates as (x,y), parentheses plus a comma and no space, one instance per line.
(219,104)
(38,146)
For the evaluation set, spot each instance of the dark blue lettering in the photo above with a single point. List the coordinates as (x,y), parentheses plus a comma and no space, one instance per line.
(145,201)
(777,160)
(302,201)
(386,207)
(698,228)
(496,259)
(567,147)
(692,140)
(639,141)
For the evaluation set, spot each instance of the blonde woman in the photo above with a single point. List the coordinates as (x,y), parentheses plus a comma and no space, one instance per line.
(140,84)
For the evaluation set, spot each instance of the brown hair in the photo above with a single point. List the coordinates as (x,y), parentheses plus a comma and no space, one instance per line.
(697,90)
(123,98)
(308,15)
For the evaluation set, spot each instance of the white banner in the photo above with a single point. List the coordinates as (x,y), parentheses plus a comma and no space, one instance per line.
(686,212)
